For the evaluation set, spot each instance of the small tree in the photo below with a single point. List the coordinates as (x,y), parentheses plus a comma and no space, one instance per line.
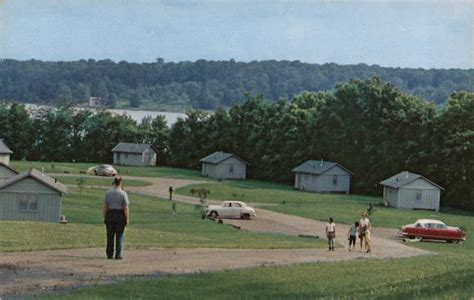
(173,207)
(370,210)
(81,183)
(202,193)
(238,197)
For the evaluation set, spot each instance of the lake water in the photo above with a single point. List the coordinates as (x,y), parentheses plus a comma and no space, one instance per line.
(137,115)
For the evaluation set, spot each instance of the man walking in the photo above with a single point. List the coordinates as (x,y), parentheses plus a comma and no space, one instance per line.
(116,217)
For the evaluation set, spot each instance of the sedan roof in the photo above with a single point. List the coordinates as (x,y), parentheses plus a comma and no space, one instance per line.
(239,202)
(424,221)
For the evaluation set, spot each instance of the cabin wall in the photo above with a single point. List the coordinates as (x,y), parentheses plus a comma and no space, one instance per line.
(48,207)
(149,157)
(325,182)
(5,158)
(430,198)
(307,182)
(391,196)
(208,170)
(430,195)
(128,159)
(230,168)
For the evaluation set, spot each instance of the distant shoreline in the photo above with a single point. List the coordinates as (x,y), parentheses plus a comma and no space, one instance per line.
(136,114)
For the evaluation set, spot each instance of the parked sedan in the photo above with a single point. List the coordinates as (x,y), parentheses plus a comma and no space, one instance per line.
(231,209)
(103,170)
(432,230)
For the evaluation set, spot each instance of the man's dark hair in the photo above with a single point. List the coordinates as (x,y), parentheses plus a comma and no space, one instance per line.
(117,180)
(331,220)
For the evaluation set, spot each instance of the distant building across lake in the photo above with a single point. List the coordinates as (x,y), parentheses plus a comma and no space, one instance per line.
(96,102)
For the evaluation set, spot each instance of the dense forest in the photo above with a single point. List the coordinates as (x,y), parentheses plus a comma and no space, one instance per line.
(369,126)
(205,84)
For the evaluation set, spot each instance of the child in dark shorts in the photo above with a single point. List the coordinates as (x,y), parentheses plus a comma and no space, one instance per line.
(352,235)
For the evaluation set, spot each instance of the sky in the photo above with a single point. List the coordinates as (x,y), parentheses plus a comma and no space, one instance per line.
(416,34)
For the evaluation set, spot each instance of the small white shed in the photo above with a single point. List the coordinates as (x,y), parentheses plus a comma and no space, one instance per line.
(4,153)
(322,177)
(31,196)
(412,191)
(128,154)
(222,165)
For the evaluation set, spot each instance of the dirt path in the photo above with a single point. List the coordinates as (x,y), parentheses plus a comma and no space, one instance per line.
(48,270)
(35,271)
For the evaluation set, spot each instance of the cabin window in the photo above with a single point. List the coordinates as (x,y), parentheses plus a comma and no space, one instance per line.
(28,203)
(231,169)
(418,196)
(334,180)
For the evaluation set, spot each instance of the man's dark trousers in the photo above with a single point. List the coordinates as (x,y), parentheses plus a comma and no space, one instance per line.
(115,223)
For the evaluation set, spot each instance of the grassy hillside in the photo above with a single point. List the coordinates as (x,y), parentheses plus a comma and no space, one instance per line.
(76,168)
(98,181)
(343,208)
(153,224)
(447,275)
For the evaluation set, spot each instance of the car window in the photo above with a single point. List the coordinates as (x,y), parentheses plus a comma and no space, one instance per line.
(227,204)
(419,225)
(441,226)
(431,225)
(237,205)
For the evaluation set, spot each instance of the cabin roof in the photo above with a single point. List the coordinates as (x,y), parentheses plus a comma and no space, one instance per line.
(2,165)
(403,178)
(37,175)
(317,167)
(219,156)
(132,148)
(4,148)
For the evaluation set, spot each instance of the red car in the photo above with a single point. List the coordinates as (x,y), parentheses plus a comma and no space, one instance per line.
(432,230)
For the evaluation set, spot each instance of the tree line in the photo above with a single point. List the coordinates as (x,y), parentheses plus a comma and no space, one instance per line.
(369,126)
(205,84)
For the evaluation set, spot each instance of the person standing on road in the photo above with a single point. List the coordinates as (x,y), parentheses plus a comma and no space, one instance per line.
(116,217)
(331,233)
(364,224)
(171,190)
(368,243)
(352,235)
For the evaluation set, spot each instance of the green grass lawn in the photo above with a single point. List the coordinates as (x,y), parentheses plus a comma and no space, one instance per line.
(153,224)
(76,168)
(343,208)
(396,279)
(99,181)
(447,275)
